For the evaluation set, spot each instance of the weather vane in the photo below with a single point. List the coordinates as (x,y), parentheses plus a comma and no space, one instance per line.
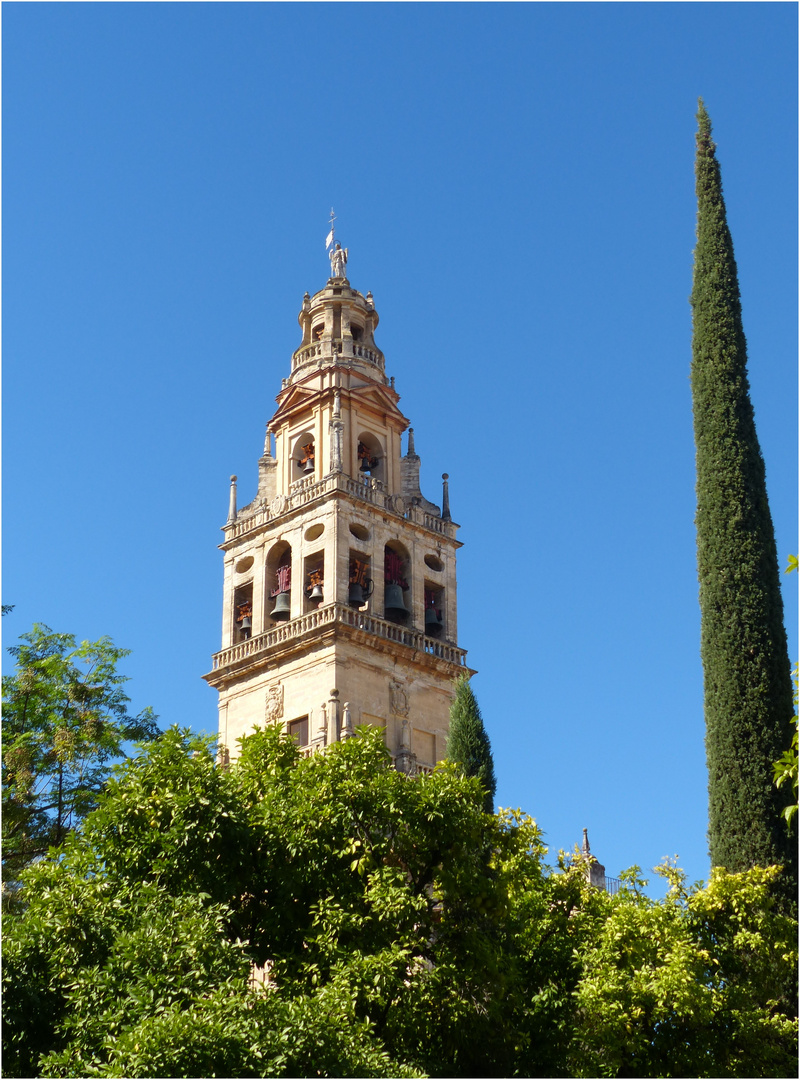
(337,254)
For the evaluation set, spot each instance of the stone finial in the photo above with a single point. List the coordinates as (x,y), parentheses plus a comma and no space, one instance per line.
(369,299)
(337,404)
(391,382)
(411,451)
(585,849)
(267,444)
(347,723)
(232,503)
(333,716)
(445,497)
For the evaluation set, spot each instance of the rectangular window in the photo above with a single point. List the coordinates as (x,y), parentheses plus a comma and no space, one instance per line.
(298,729)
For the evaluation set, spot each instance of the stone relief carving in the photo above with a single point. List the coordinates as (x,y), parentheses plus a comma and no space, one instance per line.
(274,710)
(398,698)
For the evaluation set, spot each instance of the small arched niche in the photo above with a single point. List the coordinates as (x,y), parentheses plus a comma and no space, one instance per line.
(371,457)
(242,612)
(314,581)
(278,584)
(396,583)
(304,456)
(434,610)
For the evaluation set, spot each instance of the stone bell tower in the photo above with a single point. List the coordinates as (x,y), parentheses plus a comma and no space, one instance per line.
(339,597)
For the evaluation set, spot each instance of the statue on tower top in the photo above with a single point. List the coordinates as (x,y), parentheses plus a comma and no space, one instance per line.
(337,255)
(338,259)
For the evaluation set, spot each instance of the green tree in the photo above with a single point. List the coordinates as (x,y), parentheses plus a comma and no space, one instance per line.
(65,720)
(698,984)
(468,744)
(748,691)
(401,930)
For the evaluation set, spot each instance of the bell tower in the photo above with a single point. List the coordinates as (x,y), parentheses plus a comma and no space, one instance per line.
(339,596)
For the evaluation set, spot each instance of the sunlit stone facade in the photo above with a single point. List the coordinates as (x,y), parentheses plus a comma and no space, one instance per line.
(339,597)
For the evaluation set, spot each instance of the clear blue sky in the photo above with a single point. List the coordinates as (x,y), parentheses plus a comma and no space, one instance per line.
(515,185)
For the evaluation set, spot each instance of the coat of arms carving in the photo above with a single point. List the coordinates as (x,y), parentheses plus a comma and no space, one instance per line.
(274,710)
(398,698)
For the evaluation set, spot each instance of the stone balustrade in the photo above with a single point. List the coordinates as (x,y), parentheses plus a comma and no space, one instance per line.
(338,349)
(308,489)
(327,615)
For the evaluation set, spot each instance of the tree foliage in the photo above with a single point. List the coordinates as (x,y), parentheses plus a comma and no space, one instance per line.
(65,720)
(397,929)
(468,744)
(748,693)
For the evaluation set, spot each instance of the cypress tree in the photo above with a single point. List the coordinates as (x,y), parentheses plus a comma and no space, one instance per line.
(747,681)
(467,742)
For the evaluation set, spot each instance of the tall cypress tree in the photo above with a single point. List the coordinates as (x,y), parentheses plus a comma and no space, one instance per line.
(467,742)
(748,690)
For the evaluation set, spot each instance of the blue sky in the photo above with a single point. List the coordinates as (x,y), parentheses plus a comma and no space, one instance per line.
(515,185)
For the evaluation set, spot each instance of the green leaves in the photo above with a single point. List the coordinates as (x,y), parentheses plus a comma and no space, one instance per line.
(468,744)
(65,722)
(747,686)
(400,931)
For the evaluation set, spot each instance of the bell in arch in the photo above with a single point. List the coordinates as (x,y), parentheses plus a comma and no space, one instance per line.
(307,461)
(359,593)
(366,462)
(433,624)
(393,604)
(282,609)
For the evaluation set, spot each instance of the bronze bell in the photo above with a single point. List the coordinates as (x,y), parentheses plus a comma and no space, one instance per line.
(355,594)
(358,594)
(282,609)
(393,604)
(433,624)
(308,467)
(316,593)
(246,625)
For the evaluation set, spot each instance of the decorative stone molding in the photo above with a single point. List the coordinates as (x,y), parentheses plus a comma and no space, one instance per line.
(274,709)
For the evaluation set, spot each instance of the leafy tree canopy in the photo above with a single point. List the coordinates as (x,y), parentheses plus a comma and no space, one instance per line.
(290,916)
(65,720)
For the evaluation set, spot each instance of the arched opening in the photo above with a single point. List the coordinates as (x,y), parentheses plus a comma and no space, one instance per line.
(371,458)
(397,585)
(279,583)
(304,456)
